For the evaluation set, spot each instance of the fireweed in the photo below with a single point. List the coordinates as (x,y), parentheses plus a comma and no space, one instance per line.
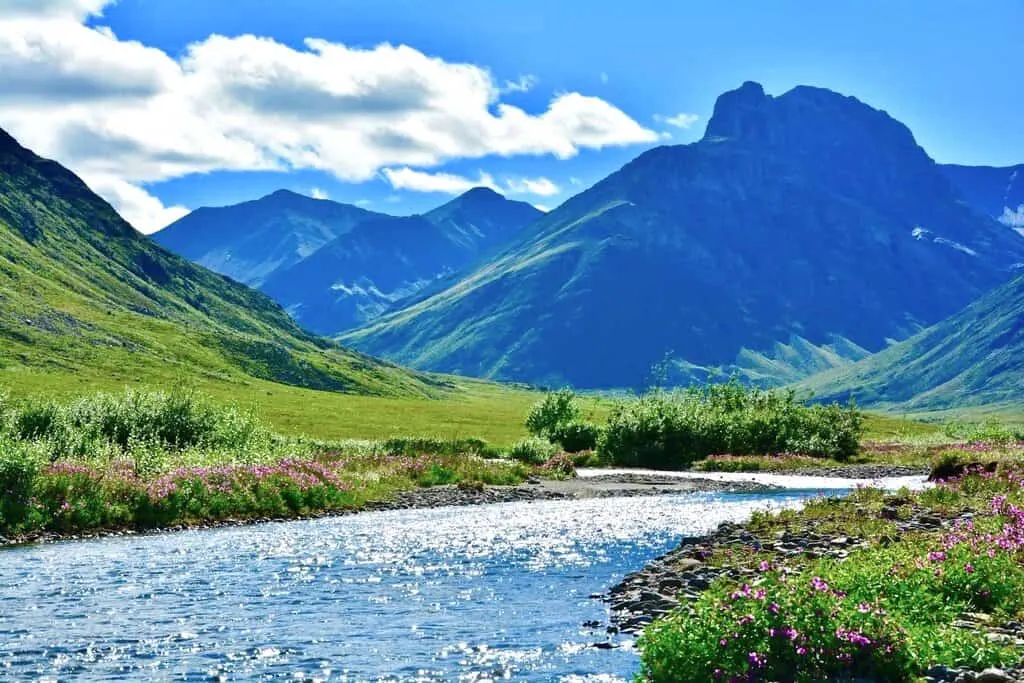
(886,613)
(67,496)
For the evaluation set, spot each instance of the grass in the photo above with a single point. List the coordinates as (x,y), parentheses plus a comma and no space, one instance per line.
(472,408)
(895,606)
(143,460)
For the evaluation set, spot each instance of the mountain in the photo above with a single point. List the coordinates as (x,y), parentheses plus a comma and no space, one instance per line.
(808,214)
(249,241)
(358,275)
(971,358)
(996,192)
(81,292)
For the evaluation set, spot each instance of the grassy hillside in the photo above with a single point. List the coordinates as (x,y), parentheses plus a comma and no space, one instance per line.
(82,294)
(972,359)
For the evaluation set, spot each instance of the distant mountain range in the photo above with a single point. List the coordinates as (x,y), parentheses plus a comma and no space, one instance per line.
(805,223)
(975,357)
(249,241)
(335,266)
(357,276)
(82,292)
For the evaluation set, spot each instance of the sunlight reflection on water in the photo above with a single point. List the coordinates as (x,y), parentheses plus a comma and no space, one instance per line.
(474,593)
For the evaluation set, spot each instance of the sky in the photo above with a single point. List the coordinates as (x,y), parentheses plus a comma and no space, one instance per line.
(163,106)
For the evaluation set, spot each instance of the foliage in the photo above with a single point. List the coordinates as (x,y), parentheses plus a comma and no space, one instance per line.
(672,430)
(532,451)
(887,612)
(141,460)
(553,413)
(576,436)
(131,422)
(419,445)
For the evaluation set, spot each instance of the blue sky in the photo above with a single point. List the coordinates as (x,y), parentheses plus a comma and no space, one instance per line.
(221,133)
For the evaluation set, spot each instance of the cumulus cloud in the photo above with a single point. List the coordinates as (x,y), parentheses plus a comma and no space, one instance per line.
(317,193)
(74,9)
(682,120)
(450,183)
(115,109)
(144,211)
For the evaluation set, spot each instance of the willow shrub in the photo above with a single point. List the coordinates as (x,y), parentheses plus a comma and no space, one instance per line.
(671,430)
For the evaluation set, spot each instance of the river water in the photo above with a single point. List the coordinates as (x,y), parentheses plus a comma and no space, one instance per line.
(495,592)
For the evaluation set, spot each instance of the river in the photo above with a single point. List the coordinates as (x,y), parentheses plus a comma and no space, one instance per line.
(479,593)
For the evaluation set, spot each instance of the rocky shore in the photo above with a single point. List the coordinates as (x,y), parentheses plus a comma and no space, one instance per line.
(455,495)
(679,577)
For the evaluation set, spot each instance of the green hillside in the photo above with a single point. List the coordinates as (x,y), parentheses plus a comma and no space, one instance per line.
(83,296)
(970,359)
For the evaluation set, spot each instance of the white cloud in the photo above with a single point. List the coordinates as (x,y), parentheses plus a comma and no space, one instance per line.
(74,9)
(541,187)
(317,193)
(450,183)
(114,109)
(573,180)
(523,84)
(1014,219)
(681,120)
(542,207)
(144,211)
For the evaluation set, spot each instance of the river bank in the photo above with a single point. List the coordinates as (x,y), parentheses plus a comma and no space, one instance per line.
(594,484)
(837,545)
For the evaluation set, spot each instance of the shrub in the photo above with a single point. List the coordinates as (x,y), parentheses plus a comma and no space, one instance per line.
(672,430)
(421,446)
(532,451)
(577,436)
(19,465)
(166,421)
(555,411)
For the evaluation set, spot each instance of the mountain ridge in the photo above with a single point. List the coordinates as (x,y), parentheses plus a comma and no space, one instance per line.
(83,291)
(251,240)
(804,191)
(381,261)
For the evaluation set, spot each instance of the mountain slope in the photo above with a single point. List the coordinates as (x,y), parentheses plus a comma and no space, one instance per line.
(972,358)
(82,291)
(249,241)
(354,278)
(993,191)
(808,214)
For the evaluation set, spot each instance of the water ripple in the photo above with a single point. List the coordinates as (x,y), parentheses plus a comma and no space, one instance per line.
(480,593)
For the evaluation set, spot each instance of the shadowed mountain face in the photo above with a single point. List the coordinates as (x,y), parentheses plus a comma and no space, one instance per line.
(250,241)
(971,358)
(355,277)
(992,191)
(80,289)
(808,215)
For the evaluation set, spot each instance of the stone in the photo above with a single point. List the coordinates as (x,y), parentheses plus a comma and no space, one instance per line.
(993,675)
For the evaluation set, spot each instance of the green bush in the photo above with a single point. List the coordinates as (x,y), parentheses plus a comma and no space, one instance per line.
(555,411)
(532,451)
(19,465)
(427,446)
(577,436)
(672,430)
(168,421)
(989,430)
